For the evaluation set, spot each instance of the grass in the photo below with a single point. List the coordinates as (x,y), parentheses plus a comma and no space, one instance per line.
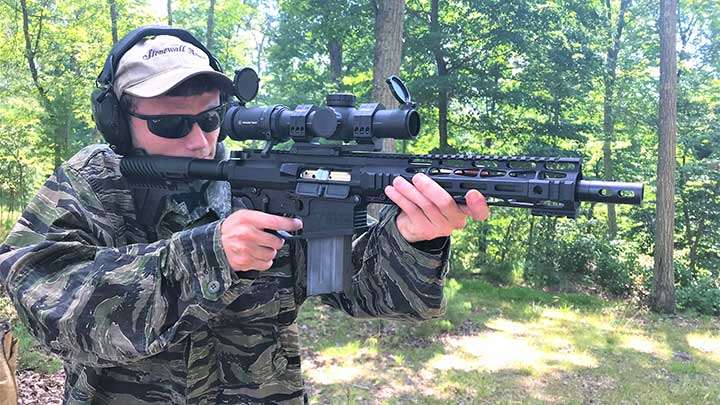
(513,345)
(31,356)
(499,345)
(7,221)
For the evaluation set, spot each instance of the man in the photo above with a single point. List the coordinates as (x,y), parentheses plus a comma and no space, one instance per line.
(140,293)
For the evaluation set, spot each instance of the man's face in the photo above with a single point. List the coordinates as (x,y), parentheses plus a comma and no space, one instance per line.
(196,143)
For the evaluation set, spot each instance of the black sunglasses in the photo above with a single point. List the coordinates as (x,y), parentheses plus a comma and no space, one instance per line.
(175,126)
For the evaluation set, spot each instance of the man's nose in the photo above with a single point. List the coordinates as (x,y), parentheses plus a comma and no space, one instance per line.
(196,139)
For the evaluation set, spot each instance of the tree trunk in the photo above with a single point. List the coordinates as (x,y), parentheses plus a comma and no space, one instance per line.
(387,54)
(482,244)
(44,98)
(335,52)
(663,295)
(62,136)
(169,12)
(507,241)
(530,240)
(442,70)
(686,207)
(608,119)
(113,21)
(260,50)
(694,243)
(30,55)
(442,118)
(210,26)
(57,152)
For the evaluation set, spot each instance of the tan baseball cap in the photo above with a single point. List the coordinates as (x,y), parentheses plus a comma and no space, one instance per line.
(156,65)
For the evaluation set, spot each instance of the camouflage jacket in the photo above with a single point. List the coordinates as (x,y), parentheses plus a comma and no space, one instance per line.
(144,316)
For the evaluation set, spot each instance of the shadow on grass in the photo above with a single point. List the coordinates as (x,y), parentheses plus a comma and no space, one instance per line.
(511,345)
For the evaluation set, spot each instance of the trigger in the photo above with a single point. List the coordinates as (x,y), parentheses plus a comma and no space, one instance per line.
(282,234)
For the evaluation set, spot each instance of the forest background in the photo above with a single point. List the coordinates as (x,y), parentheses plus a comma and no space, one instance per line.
(528,77)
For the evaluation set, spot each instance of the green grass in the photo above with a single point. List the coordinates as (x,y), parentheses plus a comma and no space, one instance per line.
(31,356)
(498,345)
(510,345)
(7,221)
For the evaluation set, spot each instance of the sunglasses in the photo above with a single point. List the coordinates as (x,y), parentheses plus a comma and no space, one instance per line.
(175,126)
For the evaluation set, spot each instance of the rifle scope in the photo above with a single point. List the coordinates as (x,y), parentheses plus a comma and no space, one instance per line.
(338,120)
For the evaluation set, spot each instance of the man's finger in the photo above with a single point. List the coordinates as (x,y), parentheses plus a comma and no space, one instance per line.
(263,254)
(407,206)
(262,220)
(476,206)
(441,198)
(430,210)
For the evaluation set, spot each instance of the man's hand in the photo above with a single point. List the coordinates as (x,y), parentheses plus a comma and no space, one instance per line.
(428,211)
(246,244)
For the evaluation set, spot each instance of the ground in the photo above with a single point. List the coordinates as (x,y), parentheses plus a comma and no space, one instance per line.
(494,345)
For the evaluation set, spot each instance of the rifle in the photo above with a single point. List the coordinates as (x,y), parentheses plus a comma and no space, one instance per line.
(329,185)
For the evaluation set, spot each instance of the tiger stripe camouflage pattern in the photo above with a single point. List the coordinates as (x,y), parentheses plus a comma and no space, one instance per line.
(156,316)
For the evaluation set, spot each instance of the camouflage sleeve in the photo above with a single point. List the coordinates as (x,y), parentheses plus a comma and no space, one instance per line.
(393,279)
(99,304)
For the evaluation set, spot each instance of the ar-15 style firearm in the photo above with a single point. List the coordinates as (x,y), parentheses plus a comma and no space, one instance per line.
(329,185)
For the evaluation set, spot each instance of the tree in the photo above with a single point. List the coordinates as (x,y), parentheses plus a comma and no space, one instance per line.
(59,138)
(698,137)
(499,69)
(319,47)
(664,281)
(609,82)
(169,13)
(113,20)
(387,53)
(210,25)
(222,24)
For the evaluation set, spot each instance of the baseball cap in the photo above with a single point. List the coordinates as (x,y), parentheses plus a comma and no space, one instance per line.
(156,65)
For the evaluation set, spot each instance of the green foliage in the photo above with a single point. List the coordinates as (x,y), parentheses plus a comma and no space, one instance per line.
(319,47)
(619,271)
(500,273)
(702,296)
(234,22)
(31,355)
(696,288)
(573,253)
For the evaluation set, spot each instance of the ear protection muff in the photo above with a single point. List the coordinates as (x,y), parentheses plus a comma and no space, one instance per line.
(107,113)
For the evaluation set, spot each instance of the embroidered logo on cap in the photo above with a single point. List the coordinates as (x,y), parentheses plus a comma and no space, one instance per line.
(155,52)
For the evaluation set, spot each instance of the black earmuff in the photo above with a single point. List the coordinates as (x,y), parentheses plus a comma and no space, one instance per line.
(110,120)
